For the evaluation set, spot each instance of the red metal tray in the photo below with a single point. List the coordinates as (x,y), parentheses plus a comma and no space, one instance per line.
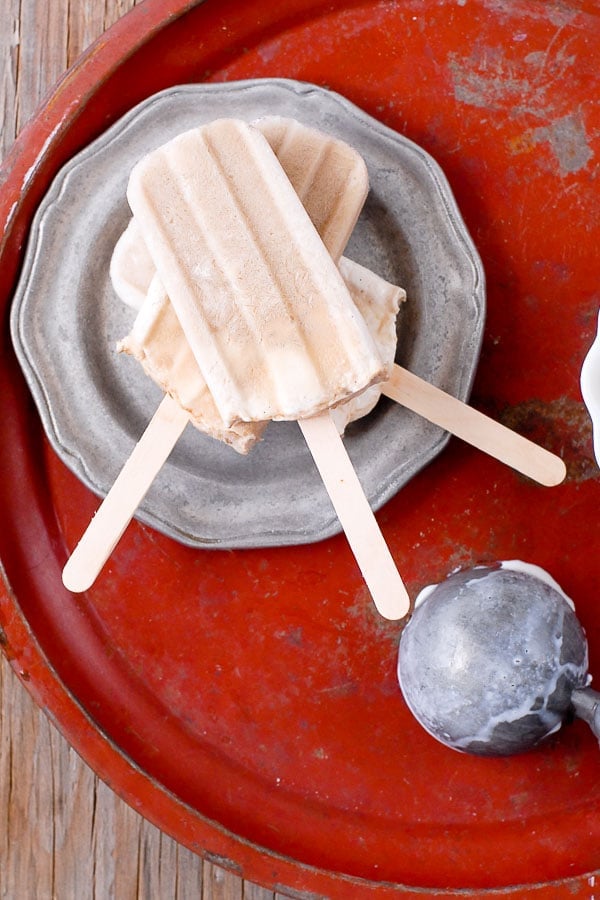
(246,701)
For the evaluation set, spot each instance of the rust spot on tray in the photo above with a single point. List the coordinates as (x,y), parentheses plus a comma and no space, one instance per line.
(568,141)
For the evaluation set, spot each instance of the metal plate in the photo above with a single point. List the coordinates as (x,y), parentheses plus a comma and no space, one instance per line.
(94,403)
(246,701)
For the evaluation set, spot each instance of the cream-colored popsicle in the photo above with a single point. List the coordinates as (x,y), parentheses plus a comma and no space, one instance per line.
(261,302)
(158,343)
(364,536)
(134,265)
(330,178)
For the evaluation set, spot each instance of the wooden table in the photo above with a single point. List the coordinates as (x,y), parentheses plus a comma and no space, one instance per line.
(63,833)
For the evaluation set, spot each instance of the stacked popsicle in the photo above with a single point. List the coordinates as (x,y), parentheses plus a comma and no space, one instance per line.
(248,313)
(246,317)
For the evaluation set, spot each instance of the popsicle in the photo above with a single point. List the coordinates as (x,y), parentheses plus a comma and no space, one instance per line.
(330,178)
(456,417)
(374,298)
(366,540)
(158,343)
(260,299)
(475,427)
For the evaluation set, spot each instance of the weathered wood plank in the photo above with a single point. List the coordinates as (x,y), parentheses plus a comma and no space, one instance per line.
(64,833)
(9,55)
(86,21)
(255,892)
(42,55)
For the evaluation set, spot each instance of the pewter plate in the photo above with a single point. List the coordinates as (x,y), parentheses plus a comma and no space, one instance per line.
(94,403)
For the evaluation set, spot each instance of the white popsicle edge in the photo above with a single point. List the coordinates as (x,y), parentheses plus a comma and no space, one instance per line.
(356,517)
(129,489)
(474,427)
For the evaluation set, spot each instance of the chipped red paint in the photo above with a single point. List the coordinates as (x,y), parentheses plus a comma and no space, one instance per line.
(246,702)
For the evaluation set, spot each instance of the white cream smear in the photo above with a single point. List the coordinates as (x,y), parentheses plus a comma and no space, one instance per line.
(590,388)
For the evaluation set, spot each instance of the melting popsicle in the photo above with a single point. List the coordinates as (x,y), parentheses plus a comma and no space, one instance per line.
(157,340)
(132,269)
(330,178)
(366,540)
(262,304)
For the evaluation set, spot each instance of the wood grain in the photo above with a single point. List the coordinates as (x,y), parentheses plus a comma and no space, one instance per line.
(63,833)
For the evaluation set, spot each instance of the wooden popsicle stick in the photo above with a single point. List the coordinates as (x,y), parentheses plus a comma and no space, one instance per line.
(356,517)
(474,427)
(119,506)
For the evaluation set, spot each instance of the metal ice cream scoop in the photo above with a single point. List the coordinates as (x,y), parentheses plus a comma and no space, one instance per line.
(494,660)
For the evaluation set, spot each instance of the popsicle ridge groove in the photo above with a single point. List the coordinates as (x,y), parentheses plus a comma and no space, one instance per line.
(217,270)
(307,286)
(197,323)
(305,245)
(303,178)
(244,211)
(331,218)
(330,177)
